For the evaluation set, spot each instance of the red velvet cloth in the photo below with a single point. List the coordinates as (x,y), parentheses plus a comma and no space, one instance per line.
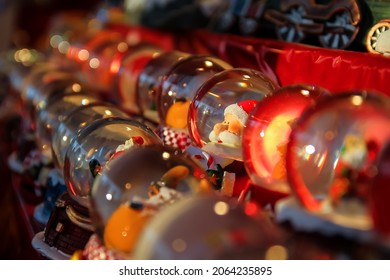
(335,70)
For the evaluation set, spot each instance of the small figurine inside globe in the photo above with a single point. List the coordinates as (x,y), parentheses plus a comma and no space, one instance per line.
(97,144)
(205,227)
(221,107)
(150,80)
(180,84)
(136,186)
(332,156)
(73,124)
(267,132)
(53,113)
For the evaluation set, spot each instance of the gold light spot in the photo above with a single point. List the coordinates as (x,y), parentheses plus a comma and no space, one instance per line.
(76,87)
(208,63)
(94,63)
(221,208)
(179,245)
(357,100)
(83,55)
(166,155)
(122,47)
(85,101)
(305,92)
(276,252)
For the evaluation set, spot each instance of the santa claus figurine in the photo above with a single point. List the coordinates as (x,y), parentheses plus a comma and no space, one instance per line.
(230,130)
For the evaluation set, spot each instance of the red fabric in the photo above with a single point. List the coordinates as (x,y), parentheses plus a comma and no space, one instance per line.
(287,63)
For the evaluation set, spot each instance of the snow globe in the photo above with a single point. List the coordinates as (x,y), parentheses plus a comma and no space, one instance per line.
(220,109)
(267,132)
(219,229)
(53,113)
(332,164)
(217,116)
(176,93)
(136,186)
(127,70)
(48,120)
(97,144)
(75,122)
(150,79)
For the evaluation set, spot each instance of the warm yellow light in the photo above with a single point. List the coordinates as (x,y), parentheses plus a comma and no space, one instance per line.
(122,47)
(94,63)
(357,100)
(208,63)
(221,208)
(83,55)
(76,87)
(276,252)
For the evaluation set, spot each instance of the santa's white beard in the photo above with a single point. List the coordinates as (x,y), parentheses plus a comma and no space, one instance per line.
(226,138)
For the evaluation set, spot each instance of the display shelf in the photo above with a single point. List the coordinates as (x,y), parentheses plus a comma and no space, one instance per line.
(285,63)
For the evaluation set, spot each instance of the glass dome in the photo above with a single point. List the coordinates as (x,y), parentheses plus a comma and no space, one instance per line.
(95,145)
(333,152)
(207,228)
(77,120)
(128,69)
(267,133)
(137,185)
(221,107)
(180,85)
(53,113)
(150,79)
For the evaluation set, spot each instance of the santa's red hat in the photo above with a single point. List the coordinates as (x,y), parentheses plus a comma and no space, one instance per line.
(241,110)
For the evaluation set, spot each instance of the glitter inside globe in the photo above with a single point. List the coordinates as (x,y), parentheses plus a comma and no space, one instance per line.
(135,186)
(74,122)
(150,79)
(267,133)
(180,85)
(95,145)
(332,155)
(221,107)
(53,113)
(207,228)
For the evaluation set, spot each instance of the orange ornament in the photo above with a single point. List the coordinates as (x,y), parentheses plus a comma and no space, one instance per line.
(123,228)
(177,114)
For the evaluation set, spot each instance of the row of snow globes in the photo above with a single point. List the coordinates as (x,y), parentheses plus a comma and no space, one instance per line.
(133,151)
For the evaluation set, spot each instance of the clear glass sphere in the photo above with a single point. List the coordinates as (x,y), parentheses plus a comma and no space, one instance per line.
(77,120)
(33,80)
(379,195)
(180,84)
(53,113)
(267,132)
(206,228)
(221,107)
(150,79)
(136,186)
(95,145)
(130,66)
(333,152)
